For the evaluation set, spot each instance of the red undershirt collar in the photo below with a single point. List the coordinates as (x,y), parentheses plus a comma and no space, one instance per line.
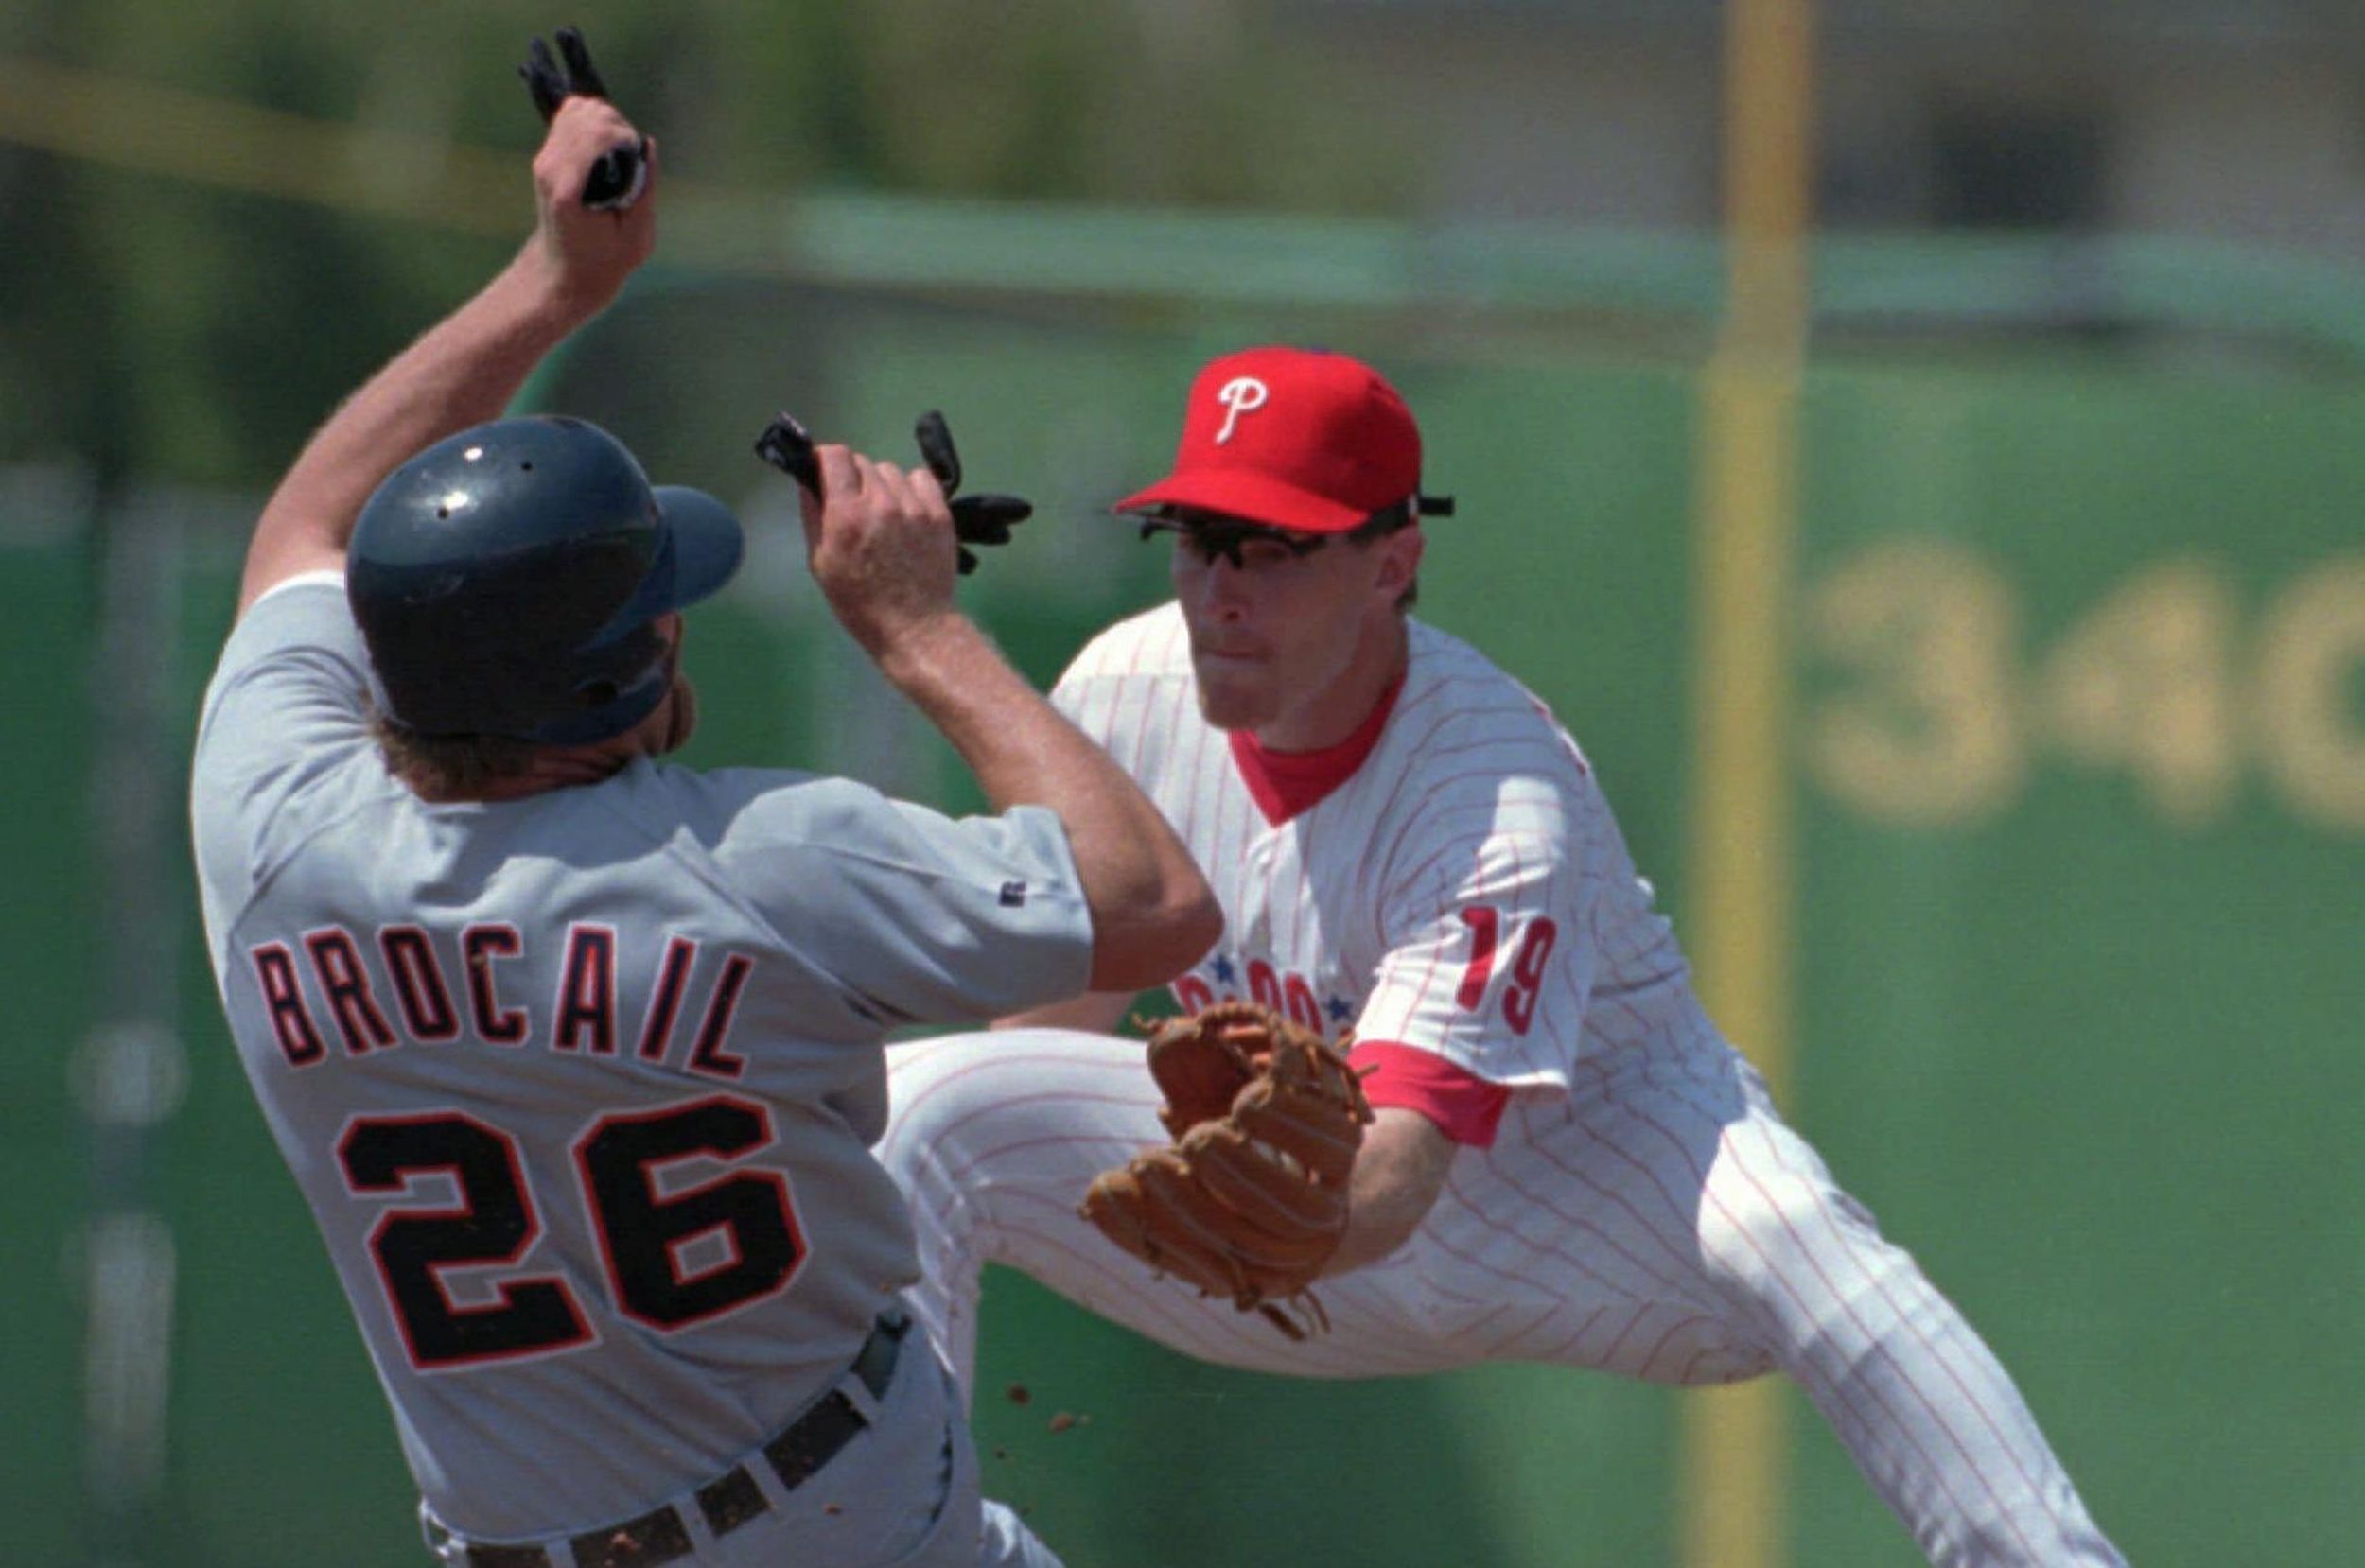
(1285,783)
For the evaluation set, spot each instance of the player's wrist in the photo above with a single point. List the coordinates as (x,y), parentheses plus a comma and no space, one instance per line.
(562,295)
(925,650)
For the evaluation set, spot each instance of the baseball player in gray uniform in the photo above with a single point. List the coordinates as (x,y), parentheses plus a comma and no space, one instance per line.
(576,1054)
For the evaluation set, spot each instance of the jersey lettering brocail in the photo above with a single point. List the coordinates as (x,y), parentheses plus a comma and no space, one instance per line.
(332,980)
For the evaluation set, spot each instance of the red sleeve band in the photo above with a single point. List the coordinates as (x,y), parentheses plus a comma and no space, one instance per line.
(1466,1107)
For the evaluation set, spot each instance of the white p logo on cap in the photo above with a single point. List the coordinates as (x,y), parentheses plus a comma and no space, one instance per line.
(1242,395)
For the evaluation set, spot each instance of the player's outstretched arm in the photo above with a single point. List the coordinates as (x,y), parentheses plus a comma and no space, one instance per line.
(465,370)
(882,548)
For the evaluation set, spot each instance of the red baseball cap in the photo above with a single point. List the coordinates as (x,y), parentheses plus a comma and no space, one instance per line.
(1294,438)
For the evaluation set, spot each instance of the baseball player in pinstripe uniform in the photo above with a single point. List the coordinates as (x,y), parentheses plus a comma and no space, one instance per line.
(576,1054)
(1570,1163)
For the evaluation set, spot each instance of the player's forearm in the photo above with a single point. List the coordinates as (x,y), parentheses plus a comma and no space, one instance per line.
(462,372)
(1153,914)
(1398,1173)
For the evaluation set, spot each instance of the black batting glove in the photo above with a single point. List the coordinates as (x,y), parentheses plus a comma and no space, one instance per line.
(786,446)
(622,174)
(976,519)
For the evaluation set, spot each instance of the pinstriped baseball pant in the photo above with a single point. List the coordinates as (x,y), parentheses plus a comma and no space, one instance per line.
(1661,1222)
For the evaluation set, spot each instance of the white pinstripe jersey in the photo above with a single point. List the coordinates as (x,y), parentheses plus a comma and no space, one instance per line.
(1465,891)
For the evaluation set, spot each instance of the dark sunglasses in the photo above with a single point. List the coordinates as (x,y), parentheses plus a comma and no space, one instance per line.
(1208,537)
(1211,533)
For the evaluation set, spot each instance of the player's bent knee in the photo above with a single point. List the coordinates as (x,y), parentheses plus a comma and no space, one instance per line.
(1798,1252)
(1759,1230)
(934,1085)
(966,1098)
(925,1097)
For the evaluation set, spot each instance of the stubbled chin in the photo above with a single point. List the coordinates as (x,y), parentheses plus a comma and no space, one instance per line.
(1228,706)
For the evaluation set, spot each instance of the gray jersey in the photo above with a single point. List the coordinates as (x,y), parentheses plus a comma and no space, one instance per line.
(580,1086)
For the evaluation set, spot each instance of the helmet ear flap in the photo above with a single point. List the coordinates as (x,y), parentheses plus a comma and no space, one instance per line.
(605,691)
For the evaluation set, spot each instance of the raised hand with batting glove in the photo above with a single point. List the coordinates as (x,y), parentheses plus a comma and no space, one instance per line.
(622,174)
(976,519)
(1249,1200)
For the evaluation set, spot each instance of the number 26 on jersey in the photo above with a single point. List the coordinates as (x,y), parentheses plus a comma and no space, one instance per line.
(698,1251)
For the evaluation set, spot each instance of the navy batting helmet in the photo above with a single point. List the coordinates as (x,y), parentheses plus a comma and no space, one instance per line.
(506,580)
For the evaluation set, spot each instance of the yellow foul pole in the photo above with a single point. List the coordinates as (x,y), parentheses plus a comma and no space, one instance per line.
(1735,1460)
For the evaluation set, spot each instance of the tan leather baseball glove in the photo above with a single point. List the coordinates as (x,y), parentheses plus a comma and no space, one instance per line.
(1249,1200)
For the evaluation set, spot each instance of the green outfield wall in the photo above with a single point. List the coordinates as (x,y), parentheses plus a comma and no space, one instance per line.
(2077,769)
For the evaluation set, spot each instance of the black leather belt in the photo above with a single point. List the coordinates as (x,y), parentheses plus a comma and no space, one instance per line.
(732,1498)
